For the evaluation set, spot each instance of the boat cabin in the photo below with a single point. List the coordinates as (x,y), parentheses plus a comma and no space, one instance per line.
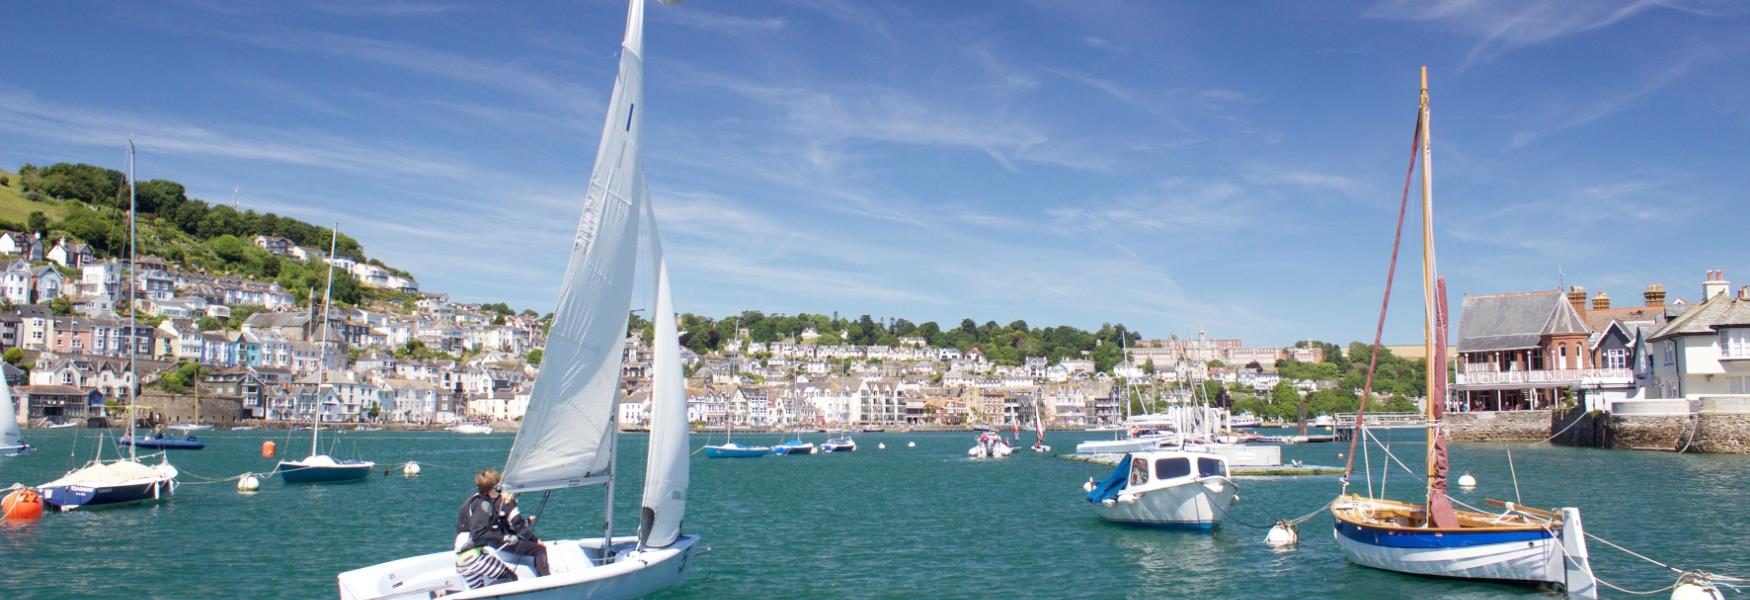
(1166,466)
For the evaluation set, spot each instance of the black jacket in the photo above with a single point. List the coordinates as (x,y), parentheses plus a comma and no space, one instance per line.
(491,522)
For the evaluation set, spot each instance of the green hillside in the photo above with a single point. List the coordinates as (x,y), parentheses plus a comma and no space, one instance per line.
(15,208)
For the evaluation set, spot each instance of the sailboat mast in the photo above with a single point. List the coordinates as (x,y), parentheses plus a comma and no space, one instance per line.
(322,351)
(1429,273)
(133,336)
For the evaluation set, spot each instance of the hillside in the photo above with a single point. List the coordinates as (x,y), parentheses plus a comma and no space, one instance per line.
(16,209)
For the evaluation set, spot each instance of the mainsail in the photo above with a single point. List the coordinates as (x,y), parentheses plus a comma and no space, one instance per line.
(665,471)
(8,416)
(566,433)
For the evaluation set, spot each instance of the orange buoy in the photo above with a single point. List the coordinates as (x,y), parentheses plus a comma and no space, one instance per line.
(23,504)
(267,449)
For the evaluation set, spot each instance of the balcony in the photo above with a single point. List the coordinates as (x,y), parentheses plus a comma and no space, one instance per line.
(1546,377)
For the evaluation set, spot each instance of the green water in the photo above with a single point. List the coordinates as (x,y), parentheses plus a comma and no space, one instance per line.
(900,522)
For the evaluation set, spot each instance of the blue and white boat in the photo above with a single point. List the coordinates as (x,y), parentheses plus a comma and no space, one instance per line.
(318,467)
(1522,545)
(795,446)
(730,449)
(161,441)
(1180,489)
(842,443)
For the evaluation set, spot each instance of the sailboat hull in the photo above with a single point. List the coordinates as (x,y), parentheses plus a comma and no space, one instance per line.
(1526,558)
(69,497)
(576,575)
(343,471)
(736,452)
(188,443)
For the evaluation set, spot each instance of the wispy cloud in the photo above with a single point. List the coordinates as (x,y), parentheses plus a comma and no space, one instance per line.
(1171,205)
(1502,26)
(1611,102)
(693,18)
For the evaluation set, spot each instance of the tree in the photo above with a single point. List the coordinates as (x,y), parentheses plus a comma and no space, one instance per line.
(209,323)
(38,222)
(534,356)
(15,357)
(61,305)
(1148,366)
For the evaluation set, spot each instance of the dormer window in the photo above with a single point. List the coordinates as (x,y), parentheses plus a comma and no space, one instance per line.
(1735,342)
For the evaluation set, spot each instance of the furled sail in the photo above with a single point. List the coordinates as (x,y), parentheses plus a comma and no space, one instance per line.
(665,472)
(567,432)
(8,416)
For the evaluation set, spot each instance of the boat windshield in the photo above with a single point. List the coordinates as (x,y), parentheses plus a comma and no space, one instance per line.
(1209,467)
(1168,468)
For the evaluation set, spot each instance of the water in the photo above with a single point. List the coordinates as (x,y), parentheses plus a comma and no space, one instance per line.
(917,522)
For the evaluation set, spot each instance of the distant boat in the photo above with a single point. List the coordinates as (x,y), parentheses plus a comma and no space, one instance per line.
(842,443)
(471,429)
(367,428)
(1244,421)
(245,428)
(568,436)
(730,449)
(61,425)
(990,445)
(318,467)
(124,480)
(187,427)
(1166,488)
(873,429)
(160,441)
(1039,444)
(10,442)
(795,446)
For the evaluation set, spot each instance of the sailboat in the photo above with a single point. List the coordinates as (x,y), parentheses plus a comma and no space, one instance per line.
(1038,428)
(569,437)
(730,449)
(10,444)
(124,480)
(1520,545)
(319,467)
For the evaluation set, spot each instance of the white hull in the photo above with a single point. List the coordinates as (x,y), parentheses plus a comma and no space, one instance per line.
(471,429)
(632,574)
(1196,504)
(995,451)
(1139,444)
(1514,562)
(191,427)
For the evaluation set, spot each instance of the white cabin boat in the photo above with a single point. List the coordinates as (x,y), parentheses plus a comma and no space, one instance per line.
(1182,489)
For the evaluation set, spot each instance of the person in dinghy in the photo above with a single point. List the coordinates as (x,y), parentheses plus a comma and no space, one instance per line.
(490,520)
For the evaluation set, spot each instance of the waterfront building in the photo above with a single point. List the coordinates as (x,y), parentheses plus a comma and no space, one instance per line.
(1704,349)
(1530,350)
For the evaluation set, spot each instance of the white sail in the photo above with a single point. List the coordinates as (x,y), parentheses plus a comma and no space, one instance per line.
(665,474)
(8,416)
(566,434)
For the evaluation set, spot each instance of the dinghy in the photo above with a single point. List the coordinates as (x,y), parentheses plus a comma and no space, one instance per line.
(1545,548)
(569,434)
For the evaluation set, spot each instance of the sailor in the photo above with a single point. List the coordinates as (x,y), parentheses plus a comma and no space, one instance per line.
(491,519)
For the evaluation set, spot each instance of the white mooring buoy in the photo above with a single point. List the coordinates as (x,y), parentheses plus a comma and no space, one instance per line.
(911,444)
(1283,534)
(1466,481)
(410,470)
(248,484)
(1691,587)
(1090,485)
(881,445)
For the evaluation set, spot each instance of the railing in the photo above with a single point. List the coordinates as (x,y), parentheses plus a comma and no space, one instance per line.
(1388,419)
(1547,376)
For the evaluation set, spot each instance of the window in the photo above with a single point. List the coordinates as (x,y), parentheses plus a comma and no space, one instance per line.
(1168,468)
(1209,467)
(1670,352)
(1738,385)
(1563,350)
(1616,358)
(1735,342)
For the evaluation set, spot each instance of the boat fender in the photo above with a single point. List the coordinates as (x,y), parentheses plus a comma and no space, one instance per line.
(248,484)
(23,504)
(1283,534)
(1127,498)
(1090,485)
(1107,502)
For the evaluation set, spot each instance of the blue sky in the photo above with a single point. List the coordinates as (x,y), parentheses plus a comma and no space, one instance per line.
(1233,166)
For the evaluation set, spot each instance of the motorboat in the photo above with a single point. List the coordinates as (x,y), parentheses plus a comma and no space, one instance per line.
(990,445)
(162,441)
(1166,488)
(839,444)
(471,429)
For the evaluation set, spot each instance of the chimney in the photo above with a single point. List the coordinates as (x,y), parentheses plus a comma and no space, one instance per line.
(1655,295)
(1577,298)
(1744,292)
(1601,301)
(1715,285)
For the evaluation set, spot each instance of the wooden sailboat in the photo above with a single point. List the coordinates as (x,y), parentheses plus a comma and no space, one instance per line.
(319,467)
(569,436)
(124,480)
(1520,545)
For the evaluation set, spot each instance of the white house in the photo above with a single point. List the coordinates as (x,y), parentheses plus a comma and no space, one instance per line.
(1705,350)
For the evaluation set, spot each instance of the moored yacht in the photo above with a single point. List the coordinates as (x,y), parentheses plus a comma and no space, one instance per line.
(1166,488)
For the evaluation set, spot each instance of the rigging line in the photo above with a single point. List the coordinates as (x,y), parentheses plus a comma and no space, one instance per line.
(1515,473)
(1385,301)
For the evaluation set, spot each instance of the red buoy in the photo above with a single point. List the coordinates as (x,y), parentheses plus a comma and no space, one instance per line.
(23,504)
(267,449)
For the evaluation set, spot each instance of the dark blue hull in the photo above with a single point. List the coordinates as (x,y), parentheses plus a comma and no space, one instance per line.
(69,497)
(188,443)
(718,452)
(343,472)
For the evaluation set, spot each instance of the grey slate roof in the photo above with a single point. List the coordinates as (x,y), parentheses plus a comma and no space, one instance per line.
(1706,318)
(1515,321)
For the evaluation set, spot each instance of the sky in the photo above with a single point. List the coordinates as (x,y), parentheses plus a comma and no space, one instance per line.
(1174,166)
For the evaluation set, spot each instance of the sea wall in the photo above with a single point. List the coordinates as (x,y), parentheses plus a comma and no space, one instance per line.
(1635,432)
(1580,427)
(1503,426)
(1712,424)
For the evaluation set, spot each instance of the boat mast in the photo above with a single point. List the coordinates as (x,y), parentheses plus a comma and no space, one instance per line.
(322,350)
(1429,272)
(133,336)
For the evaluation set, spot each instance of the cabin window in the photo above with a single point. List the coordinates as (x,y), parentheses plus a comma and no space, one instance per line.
(1168,468)
(1209,467)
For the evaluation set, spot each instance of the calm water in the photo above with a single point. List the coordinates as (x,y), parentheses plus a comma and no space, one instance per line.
(919,522)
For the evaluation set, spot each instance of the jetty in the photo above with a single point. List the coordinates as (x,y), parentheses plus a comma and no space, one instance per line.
(1344,425)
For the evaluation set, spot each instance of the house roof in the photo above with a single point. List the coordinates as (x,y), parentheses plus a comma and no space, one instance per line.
(1515,321)
(1724,310)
